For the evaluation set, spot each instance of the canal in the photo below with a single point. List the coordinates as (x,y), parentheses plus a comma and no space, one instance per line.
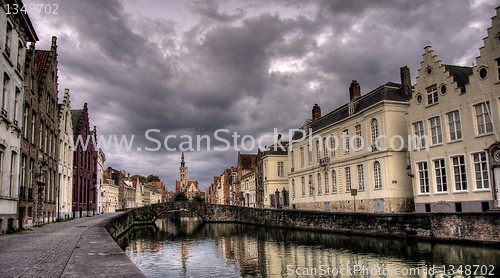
(186,247)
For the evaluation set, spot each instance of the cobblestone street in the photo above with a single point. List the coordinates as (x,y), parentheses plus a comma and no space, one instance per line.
(77,248)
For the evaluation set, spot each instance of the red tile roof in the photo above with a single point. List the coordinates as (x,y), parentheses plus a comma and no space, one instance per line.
(41,60)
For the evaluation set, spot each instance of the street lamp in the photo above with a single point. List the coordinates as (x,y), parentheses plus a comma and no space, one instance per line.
(40,182)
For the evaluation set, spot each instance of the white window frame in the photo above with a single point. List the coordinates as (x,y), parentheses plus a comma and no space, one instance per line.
(440,175)
(485,116)
(484,179)
(454,126)
(348,180)
(361,178)
(432,94)
(334,181)
(435,130)
(377,174)
(327,183)
(320,187)
(423,171)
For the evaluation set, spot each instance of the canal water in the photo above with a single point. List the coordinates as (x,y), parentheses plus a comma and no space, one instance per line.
(186,247)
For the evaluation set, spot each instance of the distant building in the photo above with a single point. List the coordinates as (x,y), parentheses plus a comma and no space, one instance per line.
(190,188)
(16,31)
(160,189)
(101,158)
(246,164)
(457,109)
(110,199)
(275,178)
(85,166)
(248,189)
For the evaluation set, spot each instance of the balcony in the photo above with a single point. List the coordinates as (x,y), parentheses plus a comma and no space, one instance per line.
(324,160)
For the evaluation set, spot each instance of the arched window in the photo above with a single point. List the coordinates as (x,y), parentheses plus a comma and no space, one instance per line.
(334,182)
(374,126)
(327,185)
(377,175)
(293,188)
(320,191)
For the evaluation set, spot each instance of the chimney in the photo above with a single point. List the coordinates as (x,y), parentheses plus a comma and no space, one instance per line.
(405,82)
(354,90)
(316,112)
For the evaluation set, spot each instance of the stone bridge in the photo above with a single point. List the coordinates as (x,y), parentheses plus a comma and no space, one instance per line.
(467,227)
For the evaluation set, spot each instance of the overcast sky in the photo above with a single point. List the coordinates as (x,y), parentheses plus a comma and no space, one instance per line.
(192,67)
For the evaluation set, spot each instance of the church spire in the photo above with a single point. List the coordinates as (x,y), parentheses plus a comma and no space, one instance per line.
(182,160)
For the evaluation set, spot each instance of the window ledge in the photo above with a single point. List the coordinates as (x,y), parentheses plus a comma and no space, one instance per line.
(483,135)
(460,192)
(455,141)
(436,145)
(432,104)
(481,190)
(442,193)
(424,194)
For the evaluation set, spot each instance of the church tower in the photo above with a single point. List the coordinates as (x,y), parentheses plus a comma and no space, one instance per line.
(184,174)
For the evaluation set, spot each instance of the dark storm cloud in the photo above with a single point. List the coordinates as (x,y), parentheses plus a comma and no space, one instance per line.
(246,67)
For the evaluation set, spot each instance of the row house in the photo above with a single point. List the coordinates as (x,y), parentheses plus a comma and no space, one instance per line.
(246,164)
(110,190)
(275,178)
(39,168)
(101,158)
(66,153)
(84,202)
(158,188)
(16,31)
(457,110)
(248,189)
(339,162)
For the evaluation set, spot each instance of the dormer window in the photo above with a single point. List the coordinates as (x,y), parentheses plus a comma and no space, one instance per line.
(432,94)
(350,107)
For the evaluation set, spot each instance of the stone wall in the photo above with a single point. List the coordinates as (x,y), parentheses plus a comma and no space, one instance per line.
(468,227)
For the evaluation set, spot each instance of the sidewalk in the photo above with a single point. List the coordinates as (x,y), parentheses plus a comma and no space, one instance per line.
(77,248)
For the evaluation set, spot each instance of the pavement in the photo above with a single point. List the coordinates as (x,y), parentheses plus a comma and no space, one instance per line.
(76,248)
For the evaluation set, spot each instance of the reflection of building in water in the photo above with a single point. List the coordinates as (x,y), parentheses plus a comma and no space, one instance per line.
(184,255)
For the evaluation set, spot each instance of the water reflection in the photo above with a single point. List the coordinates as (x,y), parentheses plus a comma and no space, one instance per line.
(186,247)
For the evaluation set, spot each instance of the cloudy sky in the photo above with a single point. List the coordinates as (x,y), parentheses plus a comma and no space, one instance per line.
(192,67)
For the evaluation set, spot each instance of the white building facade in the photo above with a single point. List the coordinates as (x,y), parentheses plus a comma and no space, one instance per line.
(65,158)
(349,162)
(275,179)
(248,189)
(15,31)
(457,109)
(101,158)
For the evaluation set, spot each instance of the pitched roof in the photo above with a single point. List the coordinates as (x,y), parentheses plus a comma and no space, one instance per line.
(388,92)
(41,60)
(460,75)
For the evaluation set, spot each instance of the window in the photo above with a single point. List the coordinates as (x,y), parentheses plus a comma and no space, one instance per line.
(20,48)
(454,126)
(25,121)
(345,137)
(481,170)
(327,185)
(22,175)
(293,188)
(377,175)
(17,106)
(320,191)
(423,177)
(309,153)
(301,156)
(358,137)
(459,172)
(13,175)
(440,171)
(303,186)
(347,179)
(361,178)
(435,124)
(5,93)
(418,132)
(293,160)
(333,145)
(311,186)
(8,39)
(1,168)
(325,148)
(374,125)
(33,125)
(281,169)
(483,119)
(334,181)
(498,68)
(318,154)
(432,94)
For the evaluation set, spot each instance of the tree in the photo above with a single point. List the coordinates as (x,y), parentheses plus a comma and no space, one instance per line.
(151,178)
(180,197)
(198,199)
(140,177)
